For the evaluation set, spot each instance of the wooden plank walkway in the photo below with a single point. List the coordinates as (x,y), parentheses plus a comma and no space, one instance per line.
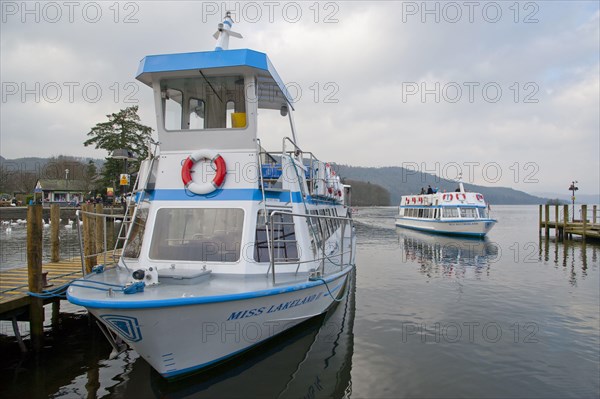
(565,225)
(14,282)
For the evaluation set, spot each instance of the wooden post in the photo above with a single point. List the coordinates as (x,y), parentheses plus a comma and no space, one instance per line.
(54,233)
(100,231)
(594,213)
(556,229)
(565,219)
(88,238)
(540,226)
(584,219)
(34,268)
(547,219)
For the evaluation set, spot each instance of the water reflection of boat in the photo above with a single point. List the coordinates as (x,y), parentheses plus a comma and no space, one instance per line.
(312,361)
(447,254)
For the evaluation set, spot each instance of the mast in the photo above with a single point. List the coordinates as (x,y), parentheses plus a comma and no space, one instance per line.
(223,32)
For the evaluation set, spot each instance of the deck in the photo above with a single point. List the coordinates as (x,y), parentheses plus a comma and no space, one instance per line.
(14,283)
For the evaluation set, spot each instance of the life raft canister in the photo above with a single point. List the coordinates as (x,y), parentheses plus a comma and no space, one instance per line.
(203,188)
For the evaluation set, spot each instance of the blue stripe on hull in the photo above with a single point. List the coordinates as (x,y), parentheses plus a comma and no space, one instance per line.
(186,301)
(239,194)
(459,233)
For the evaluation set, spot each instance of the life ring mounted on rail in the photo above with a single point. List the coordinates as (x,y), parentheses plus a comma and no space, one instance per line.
(447,197)
(203,188)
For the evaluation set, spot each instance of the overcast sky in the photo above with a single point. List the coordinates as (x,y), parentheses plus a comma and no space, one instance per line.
(508,92)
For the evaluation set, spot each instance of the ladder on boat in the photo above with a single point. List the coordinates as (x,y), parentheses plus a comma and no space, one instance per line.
(131,210)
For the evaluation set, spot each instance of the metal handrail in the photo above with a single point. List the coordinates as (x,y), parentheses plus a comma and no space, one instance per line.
(345,220)
(105,241)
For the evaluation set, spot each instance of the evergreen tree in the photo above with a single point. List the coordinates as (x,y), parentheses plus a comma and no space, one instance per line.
(122,131)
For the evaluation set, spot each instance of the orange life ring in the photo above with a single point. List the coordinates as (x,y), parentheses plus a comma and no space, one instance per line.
(461,197)
(479,197)
(447,197)
(203,188)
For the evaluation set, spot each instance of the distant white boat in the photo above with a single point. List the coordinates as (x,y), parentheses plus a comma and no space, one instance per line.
(460,212)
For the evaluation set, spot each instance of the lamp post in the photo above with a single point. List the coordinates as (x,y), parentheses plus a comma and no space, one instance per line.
(573,188)
(126,155)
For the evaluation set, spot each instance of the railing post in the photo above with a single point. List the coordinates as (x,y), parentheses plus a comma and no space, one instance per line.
(540,221)
(88,238)
(556,229)
(594,213)
(565,220)
(34,266)
(270,225)
(547,220)
(343,249)
(99,230)
(54,232)
(584,219)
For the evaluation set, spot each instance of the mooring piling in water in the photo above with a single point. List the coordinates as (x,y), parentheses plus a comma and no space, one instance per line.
(34,267)
(567,227)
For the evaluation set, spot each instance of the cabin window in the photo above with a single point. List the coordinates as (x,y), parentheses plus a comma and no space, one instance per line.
(172,109)
(134,244)
(483,213)
(197,234)
(196,120)
(468,212)
(204,102)
(450,212)
(285,247)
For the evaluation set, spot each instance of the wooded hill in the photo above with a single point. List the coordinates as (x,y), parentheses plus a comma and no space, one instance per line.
(399,181)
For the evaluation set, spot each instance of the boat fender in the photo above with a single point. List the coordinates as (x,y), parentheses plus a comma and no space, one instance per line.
(203,188)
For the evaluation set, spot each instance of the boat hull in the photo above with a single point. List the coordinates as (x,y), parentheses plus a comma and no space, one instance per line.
(469,227)
(177,340)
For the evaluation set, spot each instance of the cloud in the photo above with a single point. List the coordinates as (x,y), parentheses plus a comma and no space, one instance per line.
(357,65)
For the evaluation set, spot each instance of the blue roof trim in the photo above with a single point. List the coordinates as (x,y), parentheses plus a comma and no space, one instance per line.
(210,59)
(173,302)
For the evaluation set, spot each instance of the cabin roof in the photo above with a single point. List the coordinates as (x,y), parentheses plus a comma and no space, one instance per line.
(268,76)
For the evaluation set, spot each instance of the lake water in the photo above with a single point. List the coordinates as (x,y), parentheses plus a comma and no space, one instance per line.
(428,316)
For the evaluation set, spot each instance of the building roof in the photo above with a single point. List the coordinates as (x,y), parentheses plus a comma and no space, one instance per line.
(61,185)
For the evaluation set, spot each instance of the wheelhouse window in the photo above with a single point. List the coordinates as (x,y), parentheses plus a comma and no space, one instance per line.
(197,234)
(204,102)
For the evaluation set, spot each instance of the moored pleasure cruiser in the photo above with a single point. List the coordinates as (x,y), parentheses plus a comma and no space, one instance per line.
(224,244)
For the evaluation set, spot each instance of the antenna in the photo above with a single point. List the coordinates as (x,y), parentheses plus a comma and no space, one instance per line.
(224,31)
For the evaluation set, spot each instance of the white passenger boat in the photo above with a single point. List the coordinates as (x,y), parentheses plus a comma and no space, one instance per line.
(459,212)
(225,245)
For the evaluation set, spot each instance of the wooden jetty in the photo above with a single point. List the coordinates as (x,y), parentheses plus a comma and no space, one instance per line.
(16,302)
(566,225)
